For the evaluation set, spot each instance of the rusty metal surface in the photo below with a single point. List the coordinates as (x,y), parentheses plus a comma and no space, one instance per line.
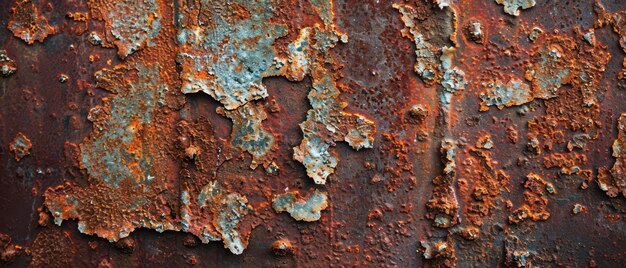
(313,133)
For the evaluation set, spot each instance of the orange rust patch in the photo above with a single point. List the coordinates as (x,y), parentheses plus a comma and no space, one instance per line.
(28,24)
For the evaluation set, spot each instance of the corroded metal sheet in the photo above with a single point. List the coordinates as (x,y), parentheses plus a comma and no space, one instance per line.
(313,133)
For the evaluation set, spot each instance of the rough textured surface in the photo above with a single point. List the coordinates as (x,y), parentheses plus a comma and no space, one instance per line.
(7,65)
(315,133)
(227,49)
(28,24)
(308,209)
(612,181)
(129,25)
(248,133)
(512,7)
(20,146)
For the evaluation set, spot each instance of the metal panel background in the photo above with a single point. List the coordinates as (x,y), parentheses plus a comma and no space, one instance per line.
(393,204)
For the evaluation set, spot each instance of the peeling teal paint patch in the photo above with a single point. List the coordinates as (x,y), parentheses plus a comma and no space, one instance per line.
(549,74)
(326,115)
(133,24)
(113,154)
(229,57)
(316,157)
(301,210)
(513,93)
(512,7)
(427,61)
(228,210)
(434,57)
(248,133)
